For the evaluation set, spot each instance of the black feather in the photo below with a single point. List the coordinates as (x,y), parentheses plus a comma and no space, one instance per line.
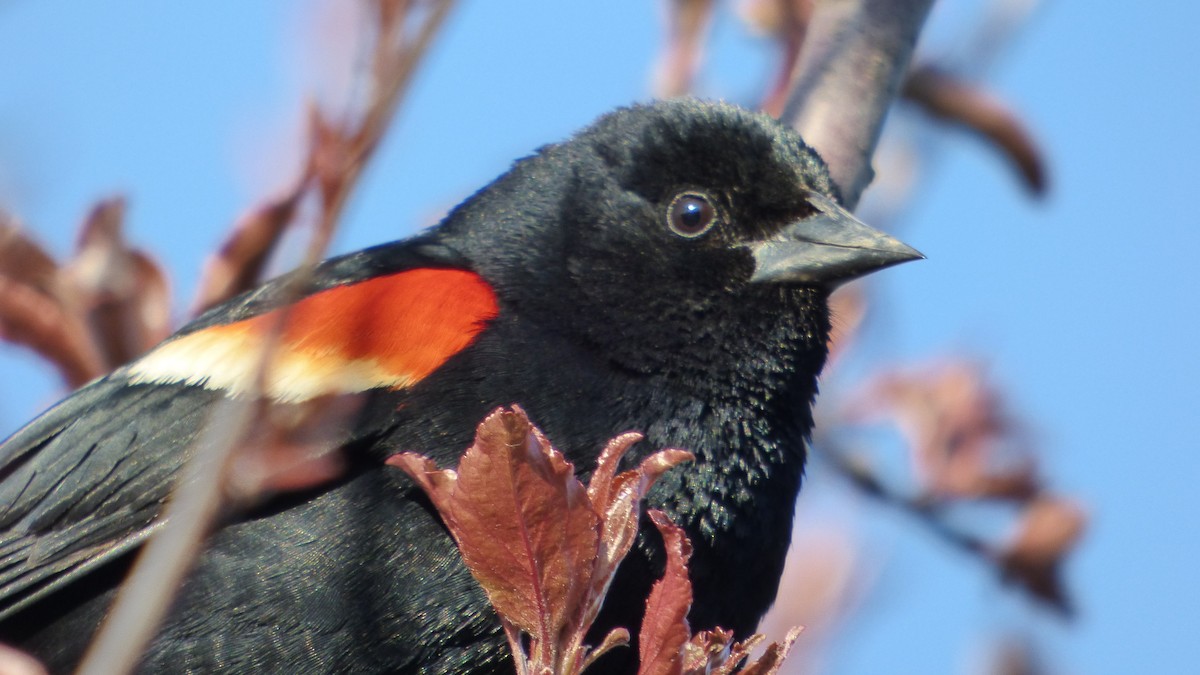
(608,322)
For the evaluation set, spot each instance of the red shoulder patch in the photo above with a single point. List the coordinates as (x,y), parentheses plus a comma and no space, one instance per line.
(390,331)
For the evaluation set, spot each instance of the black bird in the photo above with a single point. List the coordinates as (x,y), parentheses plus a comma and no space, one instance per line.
(664,270)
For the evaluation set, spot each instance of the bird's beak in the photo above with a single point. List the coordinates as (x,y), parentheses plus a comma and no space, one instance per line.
(829,248)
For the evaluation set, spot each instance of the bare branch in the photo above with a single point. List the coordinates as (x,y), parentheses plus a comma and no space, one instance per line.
(1048,530)
(144,599)
(337,156)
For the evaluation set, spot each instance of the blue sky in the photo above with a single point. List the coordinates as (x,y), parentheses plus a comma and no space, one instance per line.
(1084,304)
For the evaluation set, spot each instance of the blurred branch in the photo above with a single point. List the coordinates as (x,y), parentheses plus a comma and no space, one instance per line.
(853,60)
(965,448)
(144,598)
(926,513)
(1047,530)
(338,151)
(16,662)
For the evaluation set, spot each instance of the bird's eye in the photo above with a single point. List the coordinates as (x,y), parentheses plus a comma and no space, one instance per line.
(691,214)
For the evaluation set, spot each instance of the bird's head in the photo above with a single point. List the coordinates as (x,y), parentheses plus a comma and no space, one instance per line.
(664,224)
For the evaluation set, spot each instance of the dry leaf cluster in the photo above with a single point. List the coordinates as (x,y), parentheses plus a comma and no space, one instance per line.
(107,304)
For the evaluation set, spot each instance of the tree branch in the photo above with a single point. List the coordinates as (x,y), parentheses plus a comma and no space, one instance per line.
(854,58)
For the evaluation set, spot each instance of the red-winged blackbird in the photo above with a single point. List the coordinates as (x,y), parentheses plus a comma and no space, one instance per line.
(665,270)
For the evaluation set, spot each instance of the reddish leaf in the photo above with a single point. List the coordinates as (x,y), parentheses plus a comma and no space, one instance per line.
(24,260)
(37,321)
(770,662)
(607,464)
(121,291)
(617,500)
(664,629)
(617,637)
(521,519)
(543,548)
(964,441)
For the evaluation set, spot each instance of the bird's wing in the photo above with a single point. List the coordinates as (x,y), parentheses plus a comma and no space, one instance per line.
(85,482)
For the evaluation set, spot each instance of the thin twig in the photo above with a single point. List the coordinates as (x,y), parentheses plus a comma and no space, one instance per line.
(147,594)
(925,512)
(166,558)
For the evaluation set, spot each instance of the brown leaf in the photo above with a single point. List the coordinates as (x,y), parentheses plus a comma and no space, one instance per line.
(238,265)
(33,311)
(964,443)
(1049,528)
(664,628)
(957,101)
(23,260)
(121,292)
(521,519)
(39,322)
(151,300)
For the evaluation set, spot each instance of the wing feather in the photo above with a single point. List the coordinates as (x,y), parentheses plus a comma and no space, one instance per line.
(85,483)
